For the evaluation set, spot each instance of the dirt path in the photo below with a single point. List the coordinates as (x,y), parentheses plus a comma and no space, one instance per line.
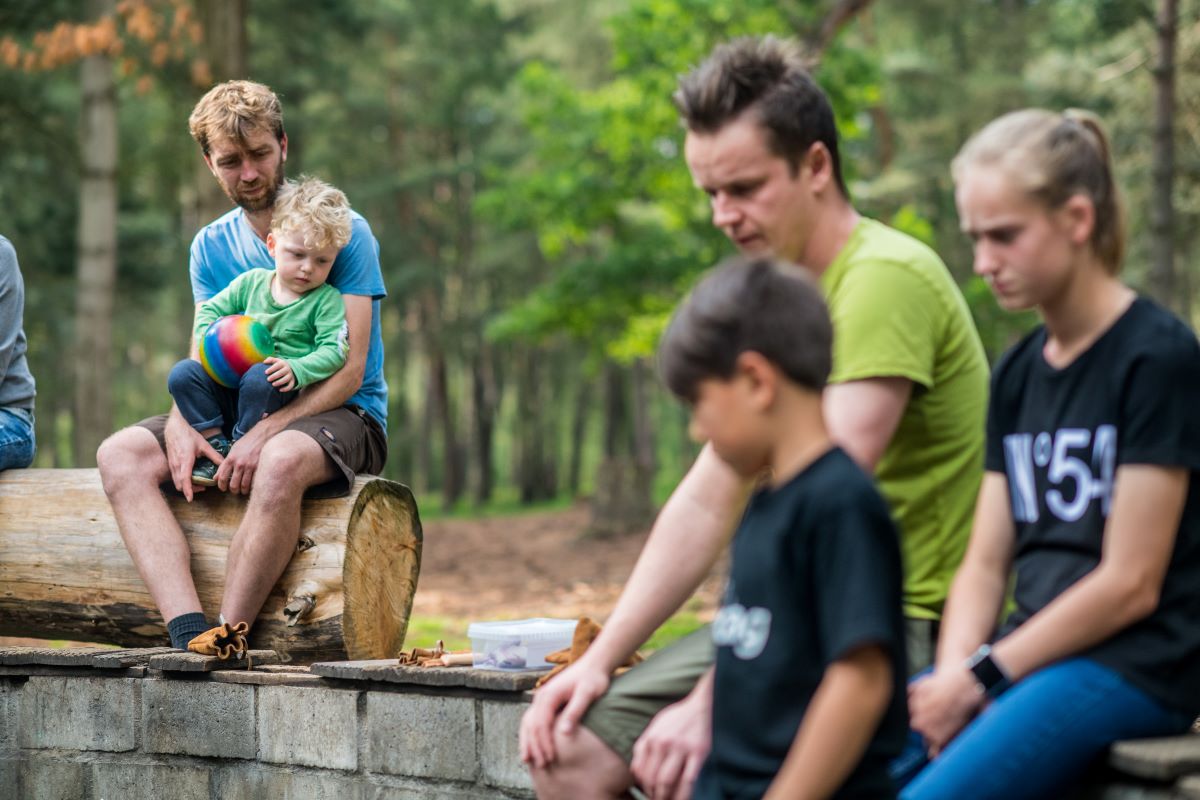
(526,566)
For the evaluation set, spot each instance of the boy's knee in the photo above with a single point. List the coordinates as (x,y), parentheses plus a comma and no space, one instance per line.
(255,379)
(185,374)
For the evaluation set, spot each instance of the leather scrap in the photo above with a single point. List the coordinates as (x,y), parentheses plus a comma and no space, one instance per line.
(586,632)
(224,641)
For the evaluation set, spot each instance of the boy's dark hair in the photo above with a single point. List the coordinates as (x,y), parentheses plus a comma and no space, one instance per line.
(768,75)
(748,304)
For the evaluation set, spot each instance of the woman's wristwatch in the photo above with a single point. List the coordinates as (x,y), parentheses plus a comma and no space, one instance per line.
(992,680)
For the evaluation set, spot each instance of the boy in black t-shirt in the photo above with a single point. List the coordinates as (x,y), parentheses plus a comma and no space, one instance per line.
(808,695)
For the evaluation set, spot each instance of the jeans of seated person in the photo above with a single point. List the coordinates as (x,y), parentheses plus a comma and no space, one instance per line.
(206,404)
(17,444)
(1037,739)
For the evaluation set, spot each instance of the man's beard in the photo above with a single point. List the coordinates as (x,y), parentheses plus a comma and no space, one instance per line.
(262,202)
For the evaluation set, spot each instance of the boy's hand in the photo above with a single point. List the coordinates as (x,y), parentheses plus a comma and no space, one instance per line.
(667,757)
(279,373)
(941,704)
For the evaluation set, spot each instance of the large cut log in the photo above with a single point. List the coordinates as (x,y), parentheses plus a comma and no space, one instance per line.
(348,591)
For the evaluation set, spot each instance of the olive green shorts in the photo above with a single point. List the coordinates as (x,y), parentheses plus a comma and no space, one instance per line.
(620,716)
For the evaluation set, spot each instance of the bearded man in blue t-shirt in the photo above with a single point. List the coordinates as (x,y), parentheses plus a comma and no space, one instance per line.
(333,430)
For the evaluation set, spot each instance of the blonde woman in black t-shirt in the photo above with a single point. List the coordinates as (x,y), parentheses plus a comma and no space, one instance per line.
(1090,496)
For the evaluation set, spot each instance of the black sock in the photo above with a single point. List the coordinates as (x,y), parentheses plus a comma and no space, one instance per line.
(186,627)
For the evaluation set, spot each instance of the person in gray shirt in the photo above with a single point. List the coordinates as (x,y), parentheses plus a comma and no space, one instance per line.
(16,383)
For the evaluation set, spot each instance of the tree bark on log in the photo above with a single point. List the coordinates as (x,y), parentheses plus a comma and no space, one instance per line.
(348,591)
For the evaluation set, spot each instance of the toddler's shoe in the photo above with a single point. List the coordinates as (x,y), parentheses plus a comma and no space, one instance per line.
(205,471)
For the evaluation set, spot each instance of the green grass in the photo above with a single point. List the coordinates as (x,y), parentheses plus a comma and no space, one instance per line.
(425,631)
(505,503)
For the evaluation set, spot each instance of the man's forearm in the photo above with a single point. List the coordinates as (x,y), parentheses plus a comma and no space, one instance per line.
(687,538)
(318,398)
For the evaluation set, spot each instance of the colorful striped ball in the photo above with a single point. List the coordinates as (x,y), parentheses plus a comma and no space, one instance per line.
(232,345)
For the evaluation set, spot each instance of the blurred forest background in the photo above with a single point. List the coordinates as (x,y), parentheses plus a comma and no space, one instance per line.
(520,163)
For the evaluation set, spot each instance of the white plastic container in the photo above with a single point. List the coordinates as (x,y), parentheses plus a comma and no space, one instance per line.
(520,643)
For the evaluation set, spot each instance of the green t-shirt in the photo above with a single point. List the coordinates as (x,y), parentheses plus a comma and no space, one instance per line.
(898,313)
(309,333)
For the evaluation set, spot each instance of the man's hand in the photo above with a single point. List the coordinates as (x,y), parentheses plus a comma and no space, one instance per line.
(668,755)
(183,445)
(942,703)
(279,373)
(560,704)
(236,474)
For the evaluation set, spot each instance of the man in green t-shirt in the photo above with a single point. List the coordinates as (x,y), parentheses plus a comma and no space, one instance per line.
(907,400)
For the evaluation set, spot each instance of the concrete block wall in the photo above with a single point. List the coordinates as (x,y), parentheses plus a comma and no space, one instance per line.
(140,733)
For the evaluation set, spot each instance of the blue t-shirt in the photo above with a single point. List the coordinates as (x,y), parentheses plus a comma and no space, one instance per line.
(227,247)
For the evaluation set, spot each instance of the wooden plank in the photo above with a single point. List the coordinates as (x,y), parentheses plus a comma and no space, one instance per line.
(31,670)
(255,677)
(130,657)
(352,670)
(388,670)
(1163,759)
(51,656)
(180,661)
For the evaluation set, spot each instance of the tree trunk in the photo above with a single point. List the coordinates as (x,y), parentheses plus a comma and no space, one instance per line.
(622,501)
(644,445)
(841,14)
(224,49)
(440,398)
(348,590)
(1162,211)
(579,416)
(483,386)
(96,271)
(531,446)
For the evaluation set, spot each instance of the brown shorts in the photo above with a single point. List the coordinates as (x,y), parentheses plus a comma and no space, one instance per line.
(352,439)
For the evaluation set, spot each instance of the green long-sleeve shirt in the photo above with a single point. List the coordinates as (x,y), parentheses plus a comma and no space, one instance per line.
(310,333)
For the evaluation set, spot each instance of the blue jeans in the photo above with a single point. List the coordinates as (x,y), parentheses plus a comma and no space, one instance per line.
(17,442)
(206,404)
(1038,738)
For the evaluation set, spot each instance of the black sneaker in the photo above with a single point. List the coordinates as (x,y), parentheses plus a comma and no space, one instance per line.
(205,470)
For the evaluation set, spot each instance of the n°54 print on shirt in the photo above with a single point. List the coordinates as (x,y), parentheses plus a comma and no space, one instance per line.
(1071,467)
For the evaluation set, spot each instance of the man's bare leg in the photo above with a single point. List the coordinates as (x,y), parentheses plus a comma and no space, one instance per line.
(584,768)
(266,540)
(132,465)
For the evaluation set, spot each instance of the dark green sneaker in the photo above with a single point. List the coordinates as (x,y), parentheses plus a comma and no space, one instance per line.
(205,470)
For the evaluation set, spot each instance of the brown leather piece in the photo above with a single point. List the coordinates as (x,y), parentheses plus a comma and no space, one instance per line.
(585,633)
(224,641)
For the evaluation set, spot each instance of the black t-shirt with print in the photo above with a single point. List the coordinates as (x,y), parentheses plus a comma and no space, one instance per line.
(1060,435)
(815,574)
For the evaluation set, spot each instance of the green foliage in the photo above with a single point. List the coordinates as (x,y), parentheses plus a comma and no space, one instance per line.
(520,163)
(603,185)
